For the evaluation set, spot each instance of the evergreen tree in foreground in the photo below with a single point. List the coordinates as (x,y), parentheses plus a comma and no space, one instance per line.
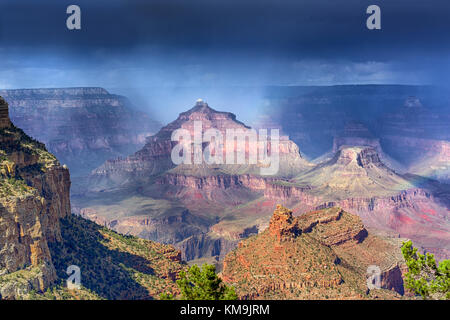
(425,277)
(202,284)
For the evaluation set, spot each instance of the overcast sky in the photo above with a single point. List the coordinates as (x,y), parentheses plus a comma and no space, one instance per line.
(147,43)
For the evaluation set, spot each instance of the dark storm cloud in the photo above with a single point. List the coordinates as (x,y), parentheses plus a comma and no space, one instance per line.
(137,44)
(308,27)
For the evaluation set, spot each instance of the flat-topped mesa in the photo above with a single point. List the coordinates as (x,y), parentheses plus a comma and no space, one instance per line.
(361,156)
(283,225)
(54,93)
(4,114)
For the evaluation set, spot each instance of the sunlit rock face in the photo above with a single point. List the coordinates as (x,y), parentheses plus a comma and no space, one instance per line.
(34,195)
(155,157)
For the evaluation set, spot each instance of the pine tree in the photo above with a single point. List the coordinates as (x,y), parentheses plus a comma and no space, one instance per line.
(425,277)
(202,284)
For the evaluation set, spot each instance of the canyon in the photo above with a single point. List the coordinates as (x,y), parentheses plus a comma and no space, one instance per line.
(202,212)
(204,209)
(83,127)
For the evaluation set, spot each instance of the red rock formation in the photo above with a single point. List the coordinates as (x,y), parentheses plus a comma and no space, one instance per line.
(319,255)
(155,157)
(283,225)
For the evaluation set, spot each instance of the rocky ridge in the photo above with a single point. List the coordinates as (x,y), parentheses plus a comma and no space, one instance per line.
(358,181)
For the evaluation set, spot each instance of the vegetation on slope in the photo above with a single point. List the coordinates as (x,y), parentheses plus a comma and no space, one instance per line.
(425,277)
(115,266)
(20,156)
(14,140)
(202,284)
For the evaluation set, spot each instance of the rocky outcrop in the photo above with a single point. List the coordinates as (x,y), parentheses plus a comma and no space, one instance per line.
(319,255)
(283,225)
(34,196)
(83,127)
(155,157)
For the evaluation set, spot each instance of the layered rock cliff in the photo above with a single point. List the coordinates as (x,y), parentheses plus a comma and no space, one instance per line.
(34,195)
(83,127)
(319,255)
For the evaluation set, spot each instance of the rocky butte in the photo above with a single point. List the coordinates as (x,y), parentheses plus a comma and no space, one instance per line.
(357,180)
(355,134)
(320,255)
(155,157)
